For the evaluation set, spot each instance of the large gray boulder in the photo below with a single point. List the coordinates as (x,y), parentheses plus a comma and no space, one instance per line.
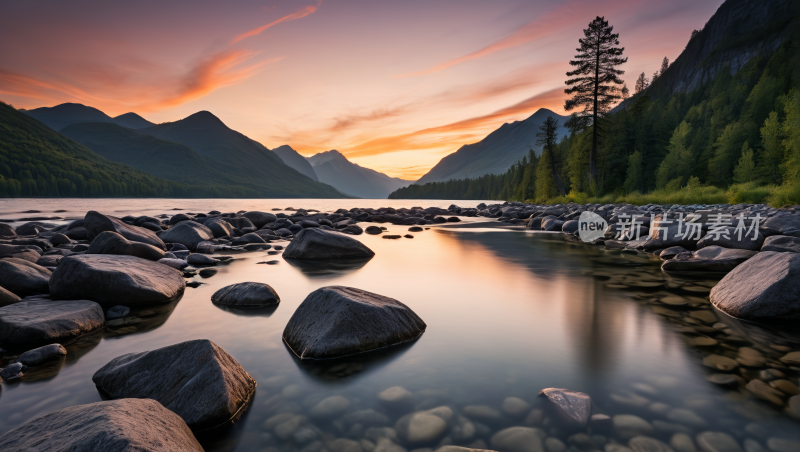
(731,238)
(219,227)
(711,259)
(125,425)
(313,243)
(337,321)
(196,379)
(23,277)
(188,234)
(95,223)
(45,321)
(786,222)
(115,279)
(767,286)
(246,295)
(108,242)
(7,297)
(259,219)
(782,243)
(668,233)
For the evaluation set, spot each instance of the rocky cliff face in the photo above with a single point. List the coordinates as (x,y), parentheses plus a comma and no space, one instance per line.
(737,32)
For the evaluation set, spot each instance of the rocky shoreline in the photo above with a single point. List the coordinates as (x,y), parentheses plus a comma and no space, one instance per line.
(59,283)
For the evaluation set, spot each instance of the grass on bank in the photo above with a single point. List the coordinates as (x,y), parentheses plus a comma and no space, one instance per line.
(748,193)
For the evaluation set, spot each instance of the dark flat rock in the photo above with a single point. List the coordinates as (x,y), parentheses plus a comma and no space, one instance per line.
(197,379)
(338,321)
(23,277)
(246,295)
(125,425)
(314,243)
(109,242)
(44,321)
(115,279)
(188,234)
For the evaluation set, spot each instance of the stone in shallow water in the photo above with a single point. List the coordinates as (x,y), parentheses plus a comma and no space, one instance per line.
(720,362)
(686,417)
(117,311)
(42,354)
(514,406)
(12,371)
(682,442)
(792,359)
(95,223)
(629,425)
(647,444)
(115,426)
(783,445)
(423,426)
(313,243)
(337,321)
(330,406)
(188,234)
(571,407)
(765,391)
(197,379)
(116,279)
(36,322)
(396,398)
(717,442)
(246,295)
(517,439)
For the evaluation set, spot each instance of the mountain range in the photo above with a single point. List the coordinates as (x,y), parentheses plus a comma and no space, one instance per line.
(333,168)
(494,154)
(197,150)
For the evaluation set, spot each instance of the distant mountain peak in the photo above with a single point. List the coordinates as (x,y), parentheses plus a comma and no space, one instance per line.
(132,121)
(204,117)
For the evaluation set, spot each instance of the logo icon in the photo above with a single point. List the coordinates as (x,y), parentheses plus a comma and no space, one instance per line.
(591,226)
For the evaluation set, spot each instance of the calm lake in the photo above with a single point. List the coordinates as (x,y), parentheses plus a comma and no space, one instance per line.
(509,313)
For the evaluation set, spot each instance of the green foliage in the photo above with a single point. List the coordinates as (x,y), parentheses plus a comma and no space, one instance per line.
(633,181)
(745,170)
(677,165)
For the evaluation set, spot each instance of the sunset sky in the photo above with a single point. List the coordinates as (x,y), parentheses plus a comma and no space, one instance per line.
(393,85)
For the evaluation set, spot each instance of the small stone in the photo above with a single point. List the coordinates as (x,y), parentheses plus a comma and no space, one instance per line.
(117,311)
(207,272)
(330,406)
(12,371)
(481,413)
(751,445)
(421,427)
(396,398)
(794,406)
(717,442)
(647,444)
(765,391)
(571,407)
(719,362)
(629,425)
(517,439)
(723,379)
(751,357)
(783,445)
(682,442)
(42,354)
(686,417)
(554,445)
(514,406)
(792,359)
(785,386)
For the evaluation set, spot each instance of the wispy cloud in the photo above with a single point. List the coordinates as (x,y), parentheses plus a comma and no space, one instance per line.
(349,121)
(206,75)
(299,14)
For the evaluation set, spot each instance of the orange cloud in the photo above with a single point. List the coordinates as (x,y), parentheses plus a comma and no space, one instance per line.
(349,121)
(119,94)
(299,14)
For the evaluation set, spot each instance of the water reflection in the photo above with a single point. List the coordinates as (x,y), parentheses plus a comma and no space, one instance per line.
(328,269)
(337,370)
(141,319)
(264,311)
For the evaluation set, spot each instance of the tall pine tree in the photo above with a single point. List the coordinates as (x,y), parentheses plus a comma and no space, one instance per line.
(596,76)
(547,137)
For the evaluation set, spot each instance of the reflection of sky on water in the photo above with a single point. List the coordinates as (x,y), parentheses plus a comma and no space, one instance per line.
(508,314)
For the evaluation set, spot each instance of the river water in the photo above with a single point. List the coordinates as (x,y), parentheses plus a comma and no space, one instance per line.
(509,313)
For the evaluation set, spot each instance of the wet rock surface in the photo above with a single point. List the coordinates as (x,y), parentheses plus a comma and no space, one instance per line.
(246,295)
(36,322)
(314,243)
(197,379)
(337,321)
(114,426)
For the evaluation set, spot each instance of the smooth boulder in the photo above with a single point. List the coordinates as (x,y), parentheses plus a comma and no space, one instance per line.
(219,227)
(39,355)
(338,321)
(314,243)
(45,321)
(95,223)
(7,297)
(108,242)
(115,279)
(732,237)
(782,243)
(259,219)
(23,277)
(767,286)
(188,234)
(196,379)
(124,425)
(246,295)
(711,259)
(7,232)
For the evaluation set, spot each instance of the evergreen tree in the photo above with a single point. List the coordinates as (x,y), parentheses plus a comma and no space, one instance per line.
(625,92)
(547,138)
(596,76)
(641,84)
(633,181)
(664,66)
